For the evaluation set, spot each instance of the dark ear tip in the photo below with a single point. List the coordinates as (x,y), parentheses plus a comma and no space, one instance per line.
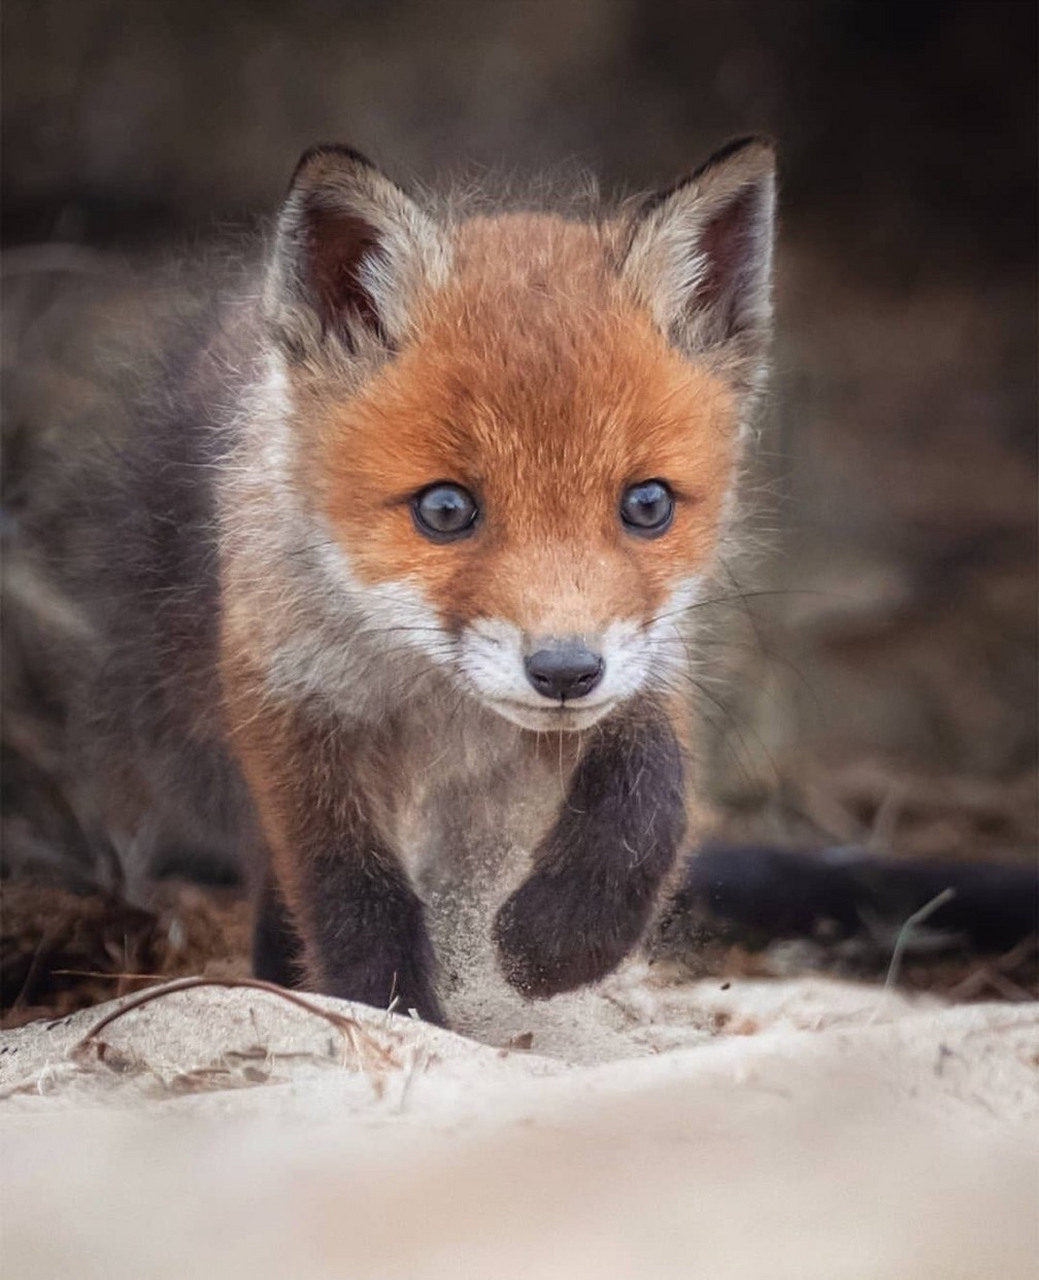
(327,155)
(761,143)
(754,153)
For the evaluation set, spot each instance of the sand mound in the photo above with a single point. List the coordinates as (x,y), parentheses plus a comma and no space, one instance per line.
(803,1129)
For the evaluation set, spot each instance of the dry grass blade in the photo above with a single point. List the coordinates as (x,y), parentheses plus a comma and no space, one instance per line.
(905,935)
(101,973)
(906,932)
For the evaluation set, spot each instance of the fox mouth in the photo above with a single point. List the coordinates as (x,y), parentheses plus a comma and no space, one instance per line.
(567,717)
(548,684)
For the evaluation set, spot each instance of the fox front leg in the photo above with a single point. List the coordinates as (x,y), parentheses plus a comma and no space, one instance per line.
(338,908)
(598,873)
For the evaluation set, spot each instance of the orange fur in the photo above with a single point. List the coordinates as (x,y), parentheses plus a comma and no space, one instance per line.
(536,380)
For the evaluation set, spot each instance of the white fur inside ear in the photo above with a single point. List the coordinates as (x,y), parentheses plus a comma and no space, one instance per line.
(413,257)
(353,254)
(700,258)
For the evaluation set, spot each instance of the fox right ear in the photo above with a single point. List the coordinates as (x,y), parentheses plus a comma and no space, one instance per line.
(700,258)
(352,252)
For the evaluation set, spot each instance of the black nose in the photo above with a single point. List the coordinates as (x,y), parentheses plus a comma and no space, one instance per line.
(564,671)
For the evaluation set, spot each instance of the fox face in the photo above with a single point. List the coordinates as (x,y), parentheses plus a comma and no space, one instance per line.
(521,431)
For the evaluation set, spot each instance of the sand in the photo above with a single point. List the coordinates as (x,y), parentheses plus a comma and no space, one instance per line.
(654,1128)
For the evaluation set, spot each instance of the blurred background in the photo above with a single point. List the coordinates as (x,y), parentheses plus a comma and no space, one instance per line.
(880,686)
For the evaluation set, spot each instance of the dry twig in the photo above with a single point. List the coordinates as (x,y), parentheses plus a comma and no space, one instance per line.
(356,1035)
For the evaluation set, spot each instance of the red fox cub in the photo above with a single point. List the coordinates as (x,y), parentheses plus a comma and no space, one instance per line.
(396,555)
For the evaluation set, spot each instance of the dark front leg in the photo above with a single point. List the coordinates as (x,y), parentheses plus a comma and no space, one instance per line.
(369,941)
(360,923)
(277,949)
(337,914)
(598,872)
(368,938)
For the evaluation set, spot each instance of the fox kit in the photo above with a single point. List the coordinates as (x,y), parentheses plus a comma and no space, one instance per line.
(392,566)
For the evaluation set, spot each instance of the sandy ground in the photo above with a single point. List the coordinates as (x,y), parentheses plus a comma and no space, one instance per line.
(647,1128)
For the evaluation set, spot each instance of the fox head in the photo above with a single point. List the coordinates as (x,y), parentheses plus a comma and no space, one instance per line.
(520,431)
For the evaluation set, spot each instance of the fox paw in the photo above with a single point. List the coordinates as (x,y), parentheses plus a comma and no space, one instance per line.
(548,945)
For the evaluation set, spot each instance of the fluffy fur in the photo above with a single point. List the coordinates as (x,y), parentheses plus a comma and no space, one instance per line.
(286,665)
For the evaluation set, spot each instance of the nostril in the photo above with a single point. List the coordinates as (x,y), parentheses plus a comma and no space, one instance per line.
(564,671)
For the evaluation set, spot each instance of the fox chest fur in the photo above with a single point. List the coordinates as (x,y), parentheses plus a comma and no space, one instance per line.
(430,628)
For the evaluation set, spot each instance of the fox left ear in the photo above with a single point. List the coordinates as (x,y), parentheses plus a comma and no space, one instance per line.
(352,253)
(700,257)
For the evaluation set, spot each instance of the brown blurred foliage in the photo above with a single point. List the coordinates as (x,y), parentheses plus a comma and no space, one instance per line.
(890,681)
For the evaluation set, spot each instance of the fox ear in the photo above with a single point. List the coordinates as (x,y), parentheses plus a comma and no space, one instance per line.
(700,256)
(352,252)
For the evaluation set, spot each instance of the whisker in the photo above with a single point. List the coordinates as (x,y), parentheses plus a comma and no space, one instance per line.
(742,597)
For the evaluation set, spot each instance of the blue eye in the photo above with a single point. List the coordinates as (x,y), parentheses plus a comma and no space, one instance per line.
(647,508)
(444,512)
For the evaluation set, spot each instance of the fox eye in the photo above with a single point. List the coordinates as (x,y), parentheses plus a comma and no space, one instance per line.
(647,508)
(444,512)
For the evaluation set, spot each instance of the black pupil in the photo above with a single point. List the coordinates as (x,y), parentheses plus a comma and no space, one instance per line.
(446,508)
(647,505)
